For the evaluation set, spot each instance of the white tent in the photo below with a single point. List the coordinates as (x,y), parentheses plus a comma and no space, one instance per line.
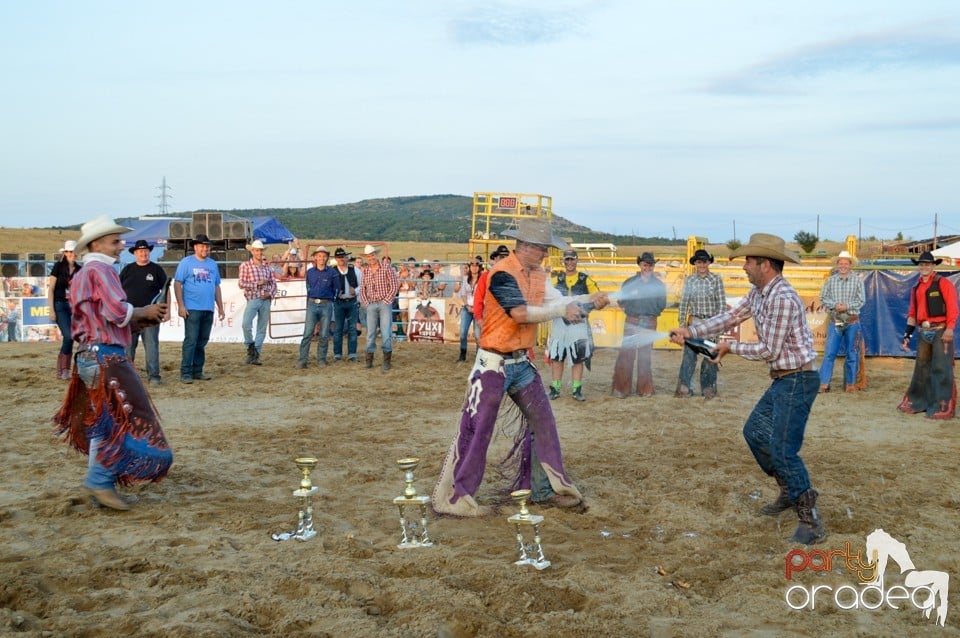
(950,253)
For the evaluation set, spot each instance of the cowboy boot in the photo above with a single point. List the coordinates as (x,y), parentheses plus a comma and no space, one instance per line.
(810,529)
(463,355)
(251,354)
(386,361)
(682,391)
(256,357)
(783,502)
(63,366)
(368,362)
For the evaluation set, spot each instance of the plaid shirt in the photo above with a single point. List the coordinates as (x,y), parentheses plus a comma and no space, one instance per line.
(250,275)
(849,291)
(100,312)
(378,286)
(702,297)
(785,340)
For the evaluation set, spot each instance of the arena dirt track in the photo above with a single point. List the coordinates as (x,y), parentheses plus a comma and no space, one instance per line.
(670,482)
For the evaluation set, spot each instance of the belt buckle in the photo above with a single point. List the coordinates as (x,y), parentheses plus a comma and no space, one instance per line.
(925,325)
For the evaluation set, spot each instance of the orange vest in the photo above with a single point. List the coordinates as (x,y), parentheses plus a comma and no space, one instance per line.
(500,332)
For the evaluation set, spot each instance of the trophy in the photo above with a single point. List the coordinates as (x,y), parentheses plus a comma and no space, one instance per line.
(532,553)
(412,534)
(307,489)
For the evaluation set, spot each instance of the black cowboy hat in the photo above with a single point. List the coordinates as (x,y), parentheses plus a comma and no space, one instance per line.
(141,243)
(646,258)
(926,258)
(340,252)
(200,239)
(701,254)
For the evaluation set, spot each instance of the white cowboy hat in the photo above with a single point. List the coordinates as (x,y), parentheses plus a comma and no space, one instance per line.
(536,231)
(764,245)
(257,244)
(845,255)
(320,249)
(97,228)
(370,249)
(69,246)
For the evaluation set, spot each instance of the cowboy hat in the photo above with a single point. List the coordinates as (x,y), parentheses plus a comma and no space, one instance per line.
(845,255)
(340,252)
(69,246)
(141,243)
(501,251)
(536,231)
(320,249)
(570,254)
(701,254)
(926,258)
(646,258)
(256,244)
(370,249)
(764,245)
(200,239)
(97,228)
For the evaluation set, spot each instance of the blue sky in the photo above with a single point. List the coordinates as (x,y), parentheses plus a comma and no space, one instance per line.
(647,118)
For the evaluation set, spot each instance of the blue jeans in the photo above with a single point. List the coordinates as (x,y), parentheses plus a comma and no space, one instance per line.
(345,315)
(774,430)
(838,342)
(316,313)
(88,369)
(62,310)
(259,308)
(151,346)
(196,334)
(466,318)
(708,371)
(379,316)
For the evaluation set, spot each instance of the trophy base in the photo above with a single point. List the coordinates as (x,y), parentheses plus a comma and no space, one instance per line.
(304,493)
(414,544)
(536,564)
(416,500)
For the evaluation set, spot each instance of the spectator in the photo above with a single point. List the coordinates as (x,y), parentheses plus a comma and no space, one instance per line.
(346,307)
(323,288)
(642,310)
(378,288)
(197,287)
(145,283)
(259,285)
(291,266)
(465,291)
(58,287)
(12,320)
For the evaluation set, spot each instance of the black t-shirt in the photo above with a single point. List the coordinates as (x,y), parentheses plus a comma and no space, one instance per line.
(142,283)
(61,271)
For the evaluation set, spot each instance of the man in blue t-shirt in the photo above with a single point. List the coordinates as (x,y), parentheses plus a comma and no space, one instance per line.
(197,287)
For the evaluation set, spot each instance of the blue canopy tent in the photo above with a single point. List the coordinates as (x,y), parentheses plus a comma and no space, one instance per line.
(270,231)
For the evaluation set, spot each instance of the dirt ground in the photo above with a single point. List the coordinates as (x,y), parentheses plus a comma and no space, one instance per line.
(670,483)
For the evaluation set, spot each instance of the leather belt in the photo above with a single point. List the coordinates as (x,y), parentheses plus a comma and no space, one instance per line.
(926,325)
(321,300)
(352,298)
(517,356)
(779,374)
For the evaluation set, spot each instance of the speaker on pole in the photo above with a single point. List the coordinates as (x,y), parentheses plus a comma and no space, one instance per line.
(215,226)
(199,225)
(11,264)
(236,230)
(179,230)
(36,264)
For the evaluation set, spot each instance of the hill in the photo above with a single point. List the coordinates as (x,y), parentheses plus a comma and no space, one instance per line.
(425,218)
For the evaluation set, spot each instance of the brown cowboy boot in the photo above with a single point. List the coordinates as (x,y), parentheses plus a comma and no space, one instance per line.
(682,391)
(783,502)
(810,529)
(368,362)
(386,360)
(63,366)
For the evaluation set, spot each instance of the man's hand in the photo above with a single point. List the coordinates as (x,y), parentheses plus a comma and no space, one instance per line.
(573,313)
(150,315)
(721,351)
(947,336)
(183,312)
(600,299)
(679,335)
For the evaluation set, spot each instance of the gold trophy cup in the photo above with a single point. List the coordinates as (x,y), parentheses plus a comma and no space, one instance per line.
(305,492)
(532,553)
(412,533)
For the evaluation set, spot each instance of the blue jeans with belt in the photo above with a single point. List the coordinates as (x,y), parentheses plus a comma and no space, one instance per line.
(839,341)
(379,315)
(345,314)
(317,313)
(774,431)
(196,334)
(62,310)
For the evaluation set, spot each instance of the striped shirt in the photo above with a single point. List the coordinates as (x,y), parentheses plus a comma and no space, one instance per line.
(785,340)
(251,273)
(702,297)
(101,313)
(846,290)
(378,286)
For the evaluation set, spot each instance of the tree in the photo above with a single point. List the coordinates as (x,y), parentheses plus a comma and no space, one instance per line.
(807,241)
(733,244)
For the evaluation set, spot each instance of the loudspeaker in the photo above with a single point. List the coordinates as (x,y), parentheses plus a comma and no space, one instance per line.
(180,230)
(218,256)
(236,230)
(215,226)
(176,248)
(36,264)
(237,255)
(11,264)
(199,225)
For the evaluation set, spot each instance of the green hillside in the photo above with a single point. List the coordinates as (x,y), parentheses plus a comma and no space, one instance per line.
(427,218)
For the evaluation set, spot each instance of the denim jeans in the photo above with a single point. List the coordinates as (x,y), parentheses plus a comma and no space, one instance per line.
(62,309)
(708,371)
(774,430)
(151,348)
(317,313)
(466,318)
(259,308)
(345,315)
(379,316)
(98,476)
(196,334)
(841,342)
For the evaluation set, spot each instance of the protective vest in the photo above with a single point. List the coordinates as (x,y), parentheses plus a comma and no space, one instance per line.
(936,306)
(500,332)
(350,276)
(579,287)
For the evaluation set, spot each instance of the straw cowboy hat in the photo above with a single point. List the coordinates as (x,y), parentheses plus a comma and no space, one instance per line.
(926,258)
(97,228)
(256,244)
(701,254)
(320,249)
(764,245)
(536,231)
(845,255)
